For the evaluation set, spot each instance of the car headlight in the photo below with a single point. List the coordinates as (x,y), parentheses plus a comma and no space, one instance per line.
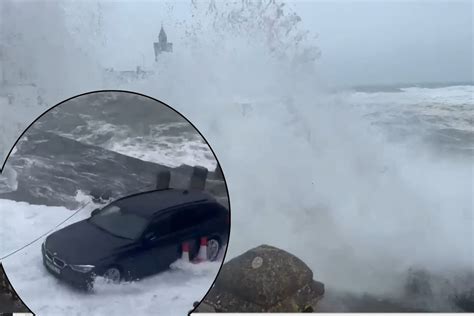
(83,268)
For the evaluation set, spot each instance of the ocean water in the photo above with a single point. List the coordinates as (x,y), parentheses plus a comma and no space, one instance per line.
(131,125)
(440,116)
(362,185)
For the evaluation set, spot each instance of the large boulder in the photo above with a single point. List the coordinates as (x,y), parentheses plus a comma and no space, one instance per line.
(264,279)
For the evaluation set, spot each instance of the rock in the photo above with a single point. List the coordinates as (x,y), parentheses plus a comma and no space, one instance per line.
(464,292)
(265,279)
(347,302)
(465,301)
(203,307)
(9,300)
(440,292)
(418,283)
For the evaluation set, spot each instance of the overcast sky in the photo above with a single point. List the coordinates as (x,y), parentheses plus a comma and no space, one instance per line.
(393,41)
(362,42)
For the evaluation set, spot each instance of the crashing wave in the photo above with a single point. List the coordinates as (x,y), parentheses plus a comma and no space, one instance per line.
(270,23)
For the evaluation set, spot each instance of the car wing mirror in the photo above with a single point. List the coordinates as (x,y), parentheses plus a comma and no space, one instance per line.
(95,212)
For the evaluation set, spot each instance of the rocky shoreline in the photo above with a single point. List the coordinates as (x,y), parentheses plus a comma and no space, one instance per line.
(9,300)
(268,279)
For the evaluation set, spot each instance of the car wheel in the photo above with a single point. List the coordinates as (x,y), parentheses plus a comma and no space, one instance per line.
(113,275)
(213,248)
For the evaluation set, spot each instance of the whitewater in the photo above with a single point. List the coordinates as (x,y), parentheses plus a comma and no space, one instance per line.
(360,185)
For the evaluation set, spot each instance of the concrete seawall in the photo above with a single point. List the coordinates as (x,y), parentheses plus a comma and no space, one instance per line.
(51,169)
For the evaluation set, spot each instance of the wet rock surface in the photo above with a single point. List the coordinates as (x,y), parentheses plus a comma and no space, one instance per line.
(335,302)
(9,305)
(264,279)
(9,301)
(423,292)
(440,292)
(51,169)
(465,301)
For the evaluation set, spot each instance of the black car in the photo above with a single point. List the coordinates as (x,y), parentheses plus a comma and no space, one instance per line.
(136,236)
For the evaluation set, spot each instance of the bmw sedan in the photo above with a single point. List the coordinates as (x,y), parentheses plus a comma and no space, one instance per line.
(136,236)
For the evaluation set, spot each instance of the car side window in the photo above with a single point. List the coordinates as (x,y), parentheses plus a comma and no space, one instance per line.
(161,226)
(191,216)
(209,212)
(184,218)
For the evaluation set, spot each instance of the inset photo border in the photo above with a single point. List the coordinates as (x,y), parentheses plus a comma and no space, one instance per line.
(113,200)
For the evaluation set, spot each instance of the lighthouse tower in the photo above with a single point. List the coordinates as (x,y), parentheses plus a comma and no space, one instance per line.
(162,45)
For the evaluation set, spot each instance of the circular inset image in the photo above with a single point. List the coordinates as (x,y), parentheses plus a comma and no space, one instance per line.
(112,203)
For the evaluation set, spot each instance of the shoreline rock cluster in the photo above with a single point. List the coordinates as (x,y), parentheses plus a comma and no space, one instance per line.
(268,279)
(9,300)
(264,279)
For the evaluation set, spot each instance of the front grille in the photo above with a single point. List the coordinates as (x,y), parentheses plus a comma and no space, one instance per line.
(55,260)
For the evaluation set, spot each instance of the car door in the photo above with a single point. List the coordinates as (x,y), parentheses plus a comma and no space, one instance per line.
(211,220)
(194,221)
(186,226)
(168,232)
(160,242)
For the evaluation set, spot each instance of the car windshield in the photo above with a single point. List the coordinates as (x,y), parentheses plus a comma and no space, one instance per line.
(119,223)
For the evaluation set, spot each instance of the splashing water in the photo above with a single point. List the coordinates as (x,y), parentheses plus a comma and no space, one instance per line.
(306,171)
